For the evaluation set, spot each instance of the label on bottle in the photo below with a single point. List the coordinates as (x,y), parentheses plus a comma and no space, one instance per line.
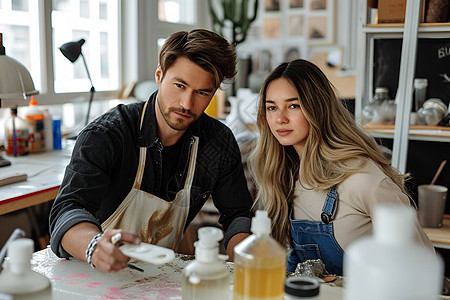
(21,146)
(36,134)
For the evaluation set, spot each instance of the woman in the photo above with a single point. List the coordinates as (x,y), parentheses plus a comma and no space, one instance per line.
(324,175)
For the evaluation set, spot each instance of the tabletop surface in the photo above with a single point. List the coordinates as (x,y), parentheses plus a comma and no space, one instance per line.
(440,236)
(73,279)
(45,170)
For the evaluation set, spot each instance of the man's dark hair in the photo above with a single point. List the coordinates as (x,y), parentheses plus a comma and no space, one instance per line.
(203,47)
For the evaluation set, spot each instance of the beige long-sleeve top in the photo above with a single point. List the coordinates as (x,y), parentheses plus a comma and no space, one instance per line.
(358,195)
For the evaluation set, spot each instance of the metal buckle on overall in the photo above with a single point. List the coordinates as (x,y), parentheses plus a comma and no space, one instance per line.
(325,217)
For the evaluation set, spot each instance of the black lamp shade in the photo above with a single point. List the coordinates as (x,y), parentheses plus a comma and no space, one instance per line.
(72,50)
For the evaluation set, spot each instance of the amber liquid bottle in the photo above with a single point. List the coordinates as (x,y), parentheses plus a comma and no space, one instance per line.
(259,264)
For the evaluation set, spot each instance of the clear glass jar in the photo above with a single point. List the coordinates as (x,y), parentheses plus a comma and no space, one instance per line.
(373,112)
(432,111)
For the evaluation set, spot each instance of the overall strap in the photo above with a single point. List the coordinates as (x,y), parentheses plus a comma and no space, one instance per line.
(330,206)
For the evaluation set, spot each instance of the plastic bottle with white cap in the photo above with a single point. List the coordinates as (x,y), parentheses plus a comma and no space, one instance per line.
(391,264)
(207,275)
(48,130)
(34,116)
(259,263)
(420,92)
(17,277)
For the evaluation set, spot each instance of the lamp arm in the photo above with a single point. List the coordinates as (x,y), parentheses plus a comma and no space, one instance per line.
(91,91)
(89,106)
(87,70)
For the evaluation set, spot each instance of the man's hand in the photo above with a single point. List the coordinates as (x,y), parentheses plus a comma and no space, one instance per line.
(236,239)
(106,256)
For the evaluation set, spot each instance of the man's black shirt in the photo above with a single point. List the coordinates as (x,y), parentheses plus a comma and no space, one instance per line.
(104,163)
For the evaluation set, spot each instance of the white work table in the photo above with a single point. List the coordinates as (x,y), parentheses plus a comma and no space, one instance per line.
(45,172)
(73,279)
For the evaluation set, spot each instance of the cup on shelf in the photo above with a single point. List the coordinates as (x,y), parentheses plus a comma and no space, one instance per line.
(432,205)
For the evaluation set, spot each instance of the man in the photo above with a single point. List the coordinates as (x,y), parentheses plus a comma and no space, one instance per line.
(144,170)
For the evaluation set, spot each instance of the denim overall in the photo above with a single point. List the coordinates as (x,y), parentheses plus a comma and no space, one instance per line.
(315,239)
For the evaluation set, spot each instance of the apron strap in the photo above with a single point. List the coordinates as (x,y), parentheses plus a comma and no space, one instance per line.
(143,113)
(192,163)
(142,156)
(141,167)
(330,206)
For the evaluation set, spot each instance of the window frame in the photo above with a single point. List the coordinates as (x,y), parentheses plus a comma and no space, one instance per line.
(139,31)
(47,94)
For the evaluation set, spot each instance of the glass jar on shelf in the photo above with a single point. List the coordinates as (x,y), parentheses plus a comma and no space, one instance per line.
(381,109)
(432,112)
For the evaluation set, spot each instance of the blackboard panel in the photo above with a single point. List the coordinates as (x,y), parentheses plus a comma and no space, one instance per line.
(432,62)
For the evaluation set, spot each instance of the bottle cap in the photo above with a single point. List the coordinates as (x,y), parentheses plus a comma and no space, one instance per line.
(301,286)
(14,110)
(20,252)
(207,246)
(33,101)
(261,223)
(208,237)
(420,83)
(381,90)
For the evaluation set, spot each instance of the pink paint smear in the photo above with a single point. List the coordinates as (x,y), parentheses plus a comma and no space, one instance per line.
(114,293)
(78,275)
(94,284)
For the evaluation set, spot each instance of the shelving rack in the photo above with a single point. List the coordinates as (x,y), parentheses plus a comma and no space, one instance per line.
(410,31)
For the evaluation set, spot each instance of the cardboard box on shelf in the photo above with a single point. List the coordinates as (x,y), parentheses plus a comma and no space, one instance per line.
(393,11)
(372,3)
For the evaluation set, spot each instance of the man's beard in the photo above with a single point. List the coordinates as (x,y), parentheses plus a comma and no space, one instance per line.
(178,124)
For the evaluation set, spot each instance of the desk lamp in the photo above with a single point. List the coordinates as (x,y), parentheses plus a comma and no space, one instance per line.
(15,82)
(72,50)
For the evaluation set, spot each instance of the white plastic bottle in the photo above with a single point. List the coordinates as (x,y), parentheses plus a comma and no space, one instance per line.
(48,130)
(206,277)
(420,92)
(259,263)
(391,265)
(18,279)
(35,119)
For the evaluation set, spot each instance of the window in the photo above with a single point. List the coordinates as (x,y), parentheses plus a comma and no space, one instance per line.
(177,11)
(19,23)
(31,39)
(96,21)
(115,51)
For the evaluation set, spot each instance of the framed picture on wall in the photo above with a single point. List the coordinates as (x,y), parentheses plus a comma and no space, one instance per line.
(311,19)
(320,22)
(272,28)
(272,5)
(296,25)
(296,3)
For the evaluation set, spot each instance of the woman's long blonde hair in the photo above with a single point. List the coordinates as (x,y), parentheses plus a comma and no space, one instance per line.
(333,139)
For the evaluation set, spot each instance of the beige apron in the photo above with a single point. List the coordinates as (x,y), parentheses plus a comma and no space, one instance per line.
(155,220)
